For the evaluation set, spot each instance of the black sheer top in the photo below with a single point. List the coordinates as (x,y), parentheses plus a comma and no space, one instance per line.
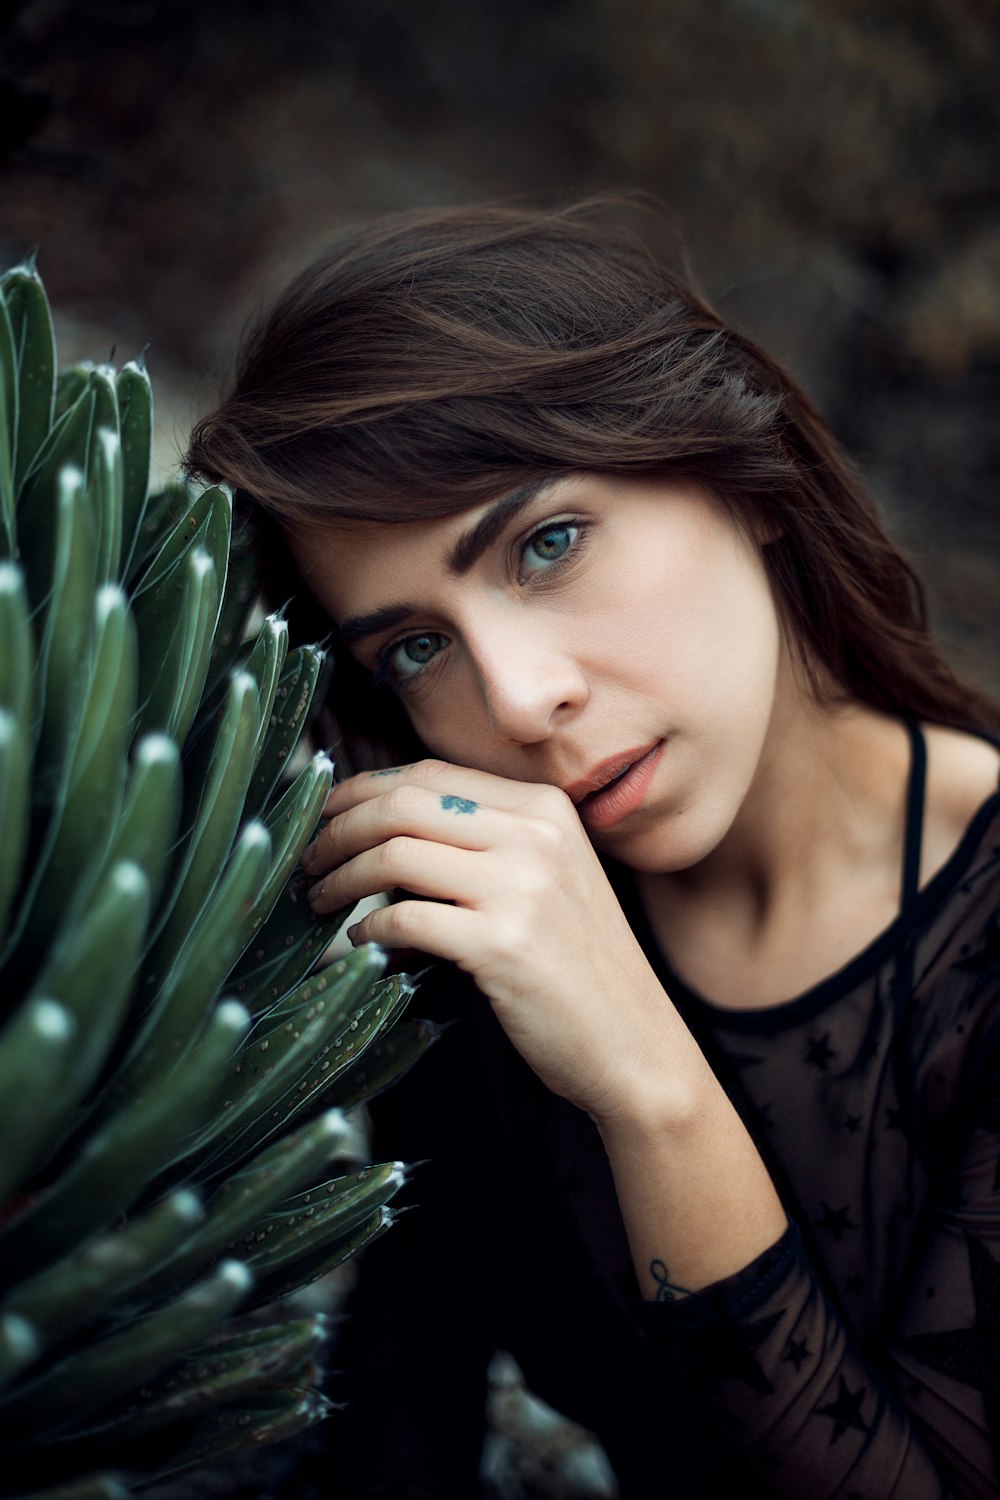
(859,1357)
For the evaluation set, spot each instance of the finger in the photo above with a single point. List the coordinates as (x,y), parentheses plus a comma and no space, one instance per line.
(498,792)
(435,870)
(445,931)
(409,809)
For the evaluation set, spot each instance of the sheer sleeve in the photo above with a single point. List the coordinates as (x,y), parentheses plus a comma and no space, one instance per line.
(916,1413)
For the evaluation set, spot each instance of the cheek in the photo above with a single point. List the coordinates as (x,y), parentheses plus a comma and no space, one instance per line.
(710,637)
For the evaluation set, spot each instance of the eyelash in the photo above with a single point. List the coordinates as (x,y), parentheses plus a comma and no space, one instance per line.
(383,669)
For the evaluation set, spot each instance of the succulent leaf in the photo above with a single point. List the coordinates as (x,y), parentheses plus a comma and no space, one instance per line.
(34,359)
(150,832)
(8,435)
(135,415)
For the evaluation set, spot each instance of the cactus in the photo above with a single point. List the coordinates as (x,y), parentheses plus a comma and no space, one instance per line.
(174,1066)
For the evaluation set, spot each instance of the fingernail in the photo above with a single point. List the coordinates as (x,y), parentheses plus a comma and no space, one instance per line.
(317,891)
(307,854)
(352,930)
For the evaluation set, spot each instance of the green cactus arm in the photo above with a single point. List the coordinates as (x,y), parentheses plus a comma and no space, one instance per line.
(246,1197)
(135,417)
(303,1271)
(147,826)
(163,510)
(195,645)
(90,972)
(92,1487)
(342,1188)
(71,382)
(218,798)
(65,681)
(119,1158)
(337,1073)
(67,446)
(67,626)
(92,785)
(387,1060)
(237,603)
(17,656)
(79,1289)
(209,515)
(174,620)
(84,1381)
(286,949)
(239,1429)
(8,431)
(15,803)
(301,1230)
(34,1053)
(104,487)
(178,1006)
(220,1373)
(141,1102)
(292,822)
(291,1055)
(265,663)
(18,1347)
(290,710)
(35,361)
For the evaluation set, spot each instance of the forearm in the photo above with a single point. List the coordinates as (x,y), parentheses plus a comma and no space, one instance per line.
(697,1200)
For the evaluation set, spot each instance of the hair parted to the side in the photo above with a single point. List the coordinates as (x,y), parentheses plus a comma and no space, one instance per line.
(430,361)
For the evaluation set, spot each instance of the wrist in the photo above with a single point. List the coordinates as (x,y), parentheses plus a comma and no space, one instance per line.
(668,1094)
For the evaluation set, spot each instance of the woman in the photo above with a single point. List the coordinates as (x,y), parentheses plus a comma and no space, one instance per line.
(659,751)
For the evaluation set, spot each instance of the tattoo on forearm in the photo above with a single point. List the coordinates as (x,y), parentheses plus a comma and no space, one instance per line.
(458,804)
(667,1290)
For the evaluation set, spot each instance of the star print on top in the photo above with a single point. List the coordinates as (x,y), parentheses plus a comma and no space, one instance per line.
(888,1162)
(858,1356)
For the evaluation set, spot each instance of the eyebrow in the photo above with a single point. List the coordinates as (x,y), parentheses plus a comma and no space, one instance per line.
(469,548)
(464,555)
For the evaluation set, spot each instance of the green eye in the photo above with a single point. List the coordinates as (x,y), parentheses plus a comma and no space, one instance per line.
(413,654)
(547,546)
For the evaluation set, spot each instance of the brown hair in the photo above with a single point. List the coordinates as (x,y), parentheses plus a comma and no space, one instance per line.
(430,361)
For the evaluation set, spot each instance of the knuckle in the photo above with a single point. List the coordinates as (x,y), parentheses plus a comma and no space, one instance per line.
(405,920)
(534,884)
(548,838)
(555,802)
(543,845)
(392,853)
(509,934)
(432,766)
(404,800)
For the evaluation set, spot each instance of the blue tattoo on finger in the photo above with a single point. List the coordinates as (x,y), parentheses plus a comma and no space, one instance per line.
(458,804)
(389,771)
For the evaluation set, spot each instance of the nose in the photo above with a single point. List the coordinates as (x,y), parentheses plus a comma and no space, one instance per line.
(531,682)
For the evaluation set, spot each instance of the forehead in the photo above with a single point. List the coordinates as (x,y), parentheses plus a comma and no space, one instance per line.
(342,558)
(357,568)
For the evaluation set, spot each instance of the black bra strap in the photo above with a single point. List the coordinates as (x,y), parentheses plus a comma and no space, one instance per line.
(914,814)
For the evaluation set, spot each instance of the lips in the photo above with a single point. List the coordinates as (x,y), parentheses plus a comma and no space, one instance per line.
(608,771)
(615,800)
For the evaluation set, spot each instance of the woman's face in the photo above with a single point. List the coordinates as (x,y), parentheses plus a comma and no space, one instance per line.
(569,633)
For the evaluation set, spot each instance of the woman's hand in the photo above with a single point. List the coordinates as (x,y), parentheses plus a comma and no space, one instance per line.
(517,898)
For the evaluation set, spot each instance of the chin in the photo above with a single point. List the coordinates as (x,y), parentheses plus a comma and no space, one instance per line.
(671,844)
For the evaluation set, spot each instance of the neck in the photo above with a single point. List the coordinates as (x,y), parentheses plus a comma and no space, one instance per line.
(826,800)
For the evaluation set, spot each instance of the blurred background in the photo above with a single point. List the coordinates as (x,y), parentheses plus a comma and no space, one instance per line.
(833,165)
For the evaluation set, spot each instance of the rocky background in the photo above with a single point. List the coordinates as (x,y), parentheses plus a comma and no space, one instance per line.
(833,165)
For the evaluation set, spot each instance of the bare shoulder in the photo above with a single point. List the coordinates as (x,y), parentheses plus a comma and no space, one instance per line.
(962,771)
